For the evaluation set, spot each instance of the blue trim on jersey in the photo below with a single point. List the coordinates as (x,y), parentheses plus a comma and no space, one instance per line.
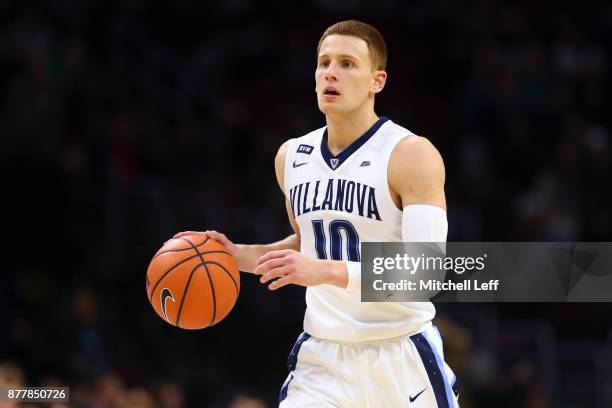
(340,158)
(455,382)
(435,372)
(449,386)
(291,363)
(283,391)
(456,388)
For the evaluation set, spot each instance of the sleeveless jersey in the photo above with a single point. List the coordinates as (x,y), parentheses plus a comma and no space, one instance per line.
(339,202)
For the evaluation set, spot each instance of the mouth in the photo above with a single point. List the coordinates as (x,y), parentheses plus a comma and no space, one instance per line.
(330,92)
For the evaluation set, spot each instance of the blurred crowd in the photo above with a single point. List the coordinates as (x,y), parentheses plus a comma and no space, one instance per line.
(109,390)
(124,122)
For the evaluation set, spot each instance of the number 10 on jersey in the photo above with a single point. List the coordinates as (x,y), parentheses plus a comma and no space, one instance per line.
(336,227)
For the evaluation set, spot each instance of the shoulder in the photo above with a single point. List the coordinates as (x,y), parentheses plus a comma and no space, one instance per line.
(416,154)
(279,163)
(416,172)
(279,160)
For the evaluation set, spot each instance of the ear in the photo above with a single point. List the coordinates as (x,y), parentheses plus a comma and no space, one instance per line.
(379,78)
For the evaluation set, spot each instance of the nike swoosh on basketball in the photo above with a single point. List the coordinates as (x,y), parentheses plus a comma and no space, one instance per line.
(165,294)
(298,164)
(412,399)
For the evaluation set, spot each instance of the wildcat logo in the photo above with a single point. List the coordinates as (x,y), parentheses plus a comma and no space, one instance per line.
(165,295)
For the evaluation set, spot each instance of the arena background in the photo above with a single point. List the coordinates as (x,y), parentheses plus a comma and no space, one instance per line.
(123,122)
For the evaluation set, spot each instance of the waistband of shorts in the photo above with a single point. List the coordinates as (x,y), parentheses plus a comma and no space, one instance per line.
(401,337)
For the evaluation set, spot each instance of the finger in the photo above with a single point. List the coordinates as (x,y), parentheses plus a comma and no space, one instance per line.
(219,237)
(268,265)
(273,254)
(279,283)
(184,233)
(274,273)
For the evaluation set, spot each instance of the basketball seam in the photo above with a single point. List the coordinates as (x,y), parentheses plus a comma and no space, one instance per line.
(167,273)
(212,286)
(206,252)
(226,271)
(180,250)
(178,316)
(180,263)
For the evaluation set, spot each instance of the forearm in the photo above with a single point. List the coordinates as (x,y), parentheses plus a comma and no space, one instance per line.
(337,273)
(291,242)
(249,254)
(291,267)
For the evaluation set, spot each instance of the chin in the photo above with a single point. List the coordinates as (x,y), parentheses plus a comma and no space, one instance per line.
(330,108)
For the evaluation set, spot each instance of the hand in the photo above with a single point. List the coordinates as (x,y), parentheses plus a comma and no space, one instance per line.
(239,252)
(229,245)
(291,266)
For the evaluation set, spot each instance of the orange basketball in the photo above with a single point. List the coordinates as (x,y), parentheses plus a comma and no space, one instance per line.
(193,282)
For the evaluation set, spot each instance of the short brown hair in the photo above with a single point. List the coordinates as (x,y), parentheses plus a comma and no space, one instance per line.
(372,37)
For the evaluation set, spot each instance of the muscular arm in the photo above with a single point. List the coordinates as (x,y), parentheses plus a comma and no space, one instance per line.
(416,173)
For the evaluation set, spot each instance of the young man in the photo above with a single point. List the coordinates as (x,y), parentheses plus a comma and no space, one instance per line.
(360,178)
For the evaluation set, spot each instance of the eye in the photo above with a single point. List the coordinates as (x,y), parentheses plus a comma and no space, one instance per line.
(324,64)
(347,64)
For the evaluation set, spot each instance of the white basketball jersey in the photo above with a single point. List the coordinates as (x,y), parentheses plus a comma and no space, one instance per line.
(339,202)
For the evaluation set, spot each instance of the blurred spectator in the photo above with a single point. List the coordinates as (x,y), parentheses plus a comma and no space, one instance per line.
(245,401)
(137,398)
(170,395)
(10,376)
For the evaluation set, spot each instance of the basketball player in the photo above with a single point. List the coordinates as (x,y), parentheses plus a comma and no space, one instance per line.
(360,178)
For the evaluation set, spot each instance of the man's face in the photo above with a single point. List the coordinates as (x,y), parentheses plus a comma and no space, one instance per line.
(344,76)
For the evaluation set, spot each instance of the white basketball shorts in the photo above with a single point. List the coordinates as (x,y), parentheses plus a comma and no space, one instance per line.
(404,372)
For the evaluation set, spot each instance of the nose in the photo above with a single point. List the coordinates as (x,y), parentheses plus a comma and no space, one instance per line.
(330,72)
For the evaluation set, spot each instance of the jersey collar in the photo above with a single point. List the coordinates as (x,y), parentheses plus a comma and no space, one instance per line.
(336,161)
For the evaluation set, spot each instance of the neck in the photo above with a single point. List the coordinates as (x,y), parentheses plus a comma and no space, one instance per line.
(342,130)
